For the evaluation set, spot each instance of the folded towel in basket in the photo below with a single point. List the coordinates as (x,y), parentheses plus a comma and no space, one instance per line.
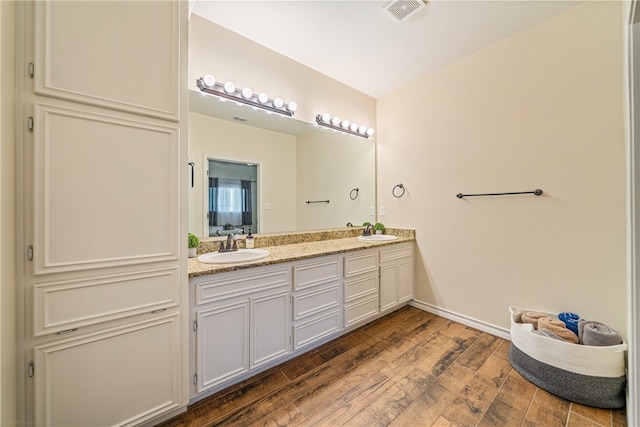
(547,333)
(571,320)
(596,333)
(558,327)
(532,317)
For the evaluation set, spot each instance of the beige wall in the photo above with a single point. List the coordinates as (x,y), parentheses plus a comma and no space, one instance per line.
(274,152)
(8,387)
(541,109)
(228,56)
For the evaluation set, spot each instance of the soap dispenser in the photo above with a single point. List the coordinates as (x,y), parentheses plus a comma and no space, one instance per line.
(249,241)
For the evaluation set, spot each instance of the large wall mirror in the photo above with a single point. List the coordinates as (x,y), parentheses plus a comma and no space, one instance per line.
(306,177)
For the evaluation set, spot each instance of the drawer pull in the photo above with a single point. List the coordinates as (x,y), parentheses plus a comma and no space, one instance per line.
(67,331)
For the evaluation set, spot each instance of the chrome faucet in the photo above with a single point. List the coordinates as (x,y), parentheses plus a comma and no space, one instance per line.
(367,230)
(231,244)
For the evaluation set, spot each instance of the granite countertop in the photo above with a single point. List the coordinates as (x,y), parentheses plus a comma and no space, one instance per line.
(296,251)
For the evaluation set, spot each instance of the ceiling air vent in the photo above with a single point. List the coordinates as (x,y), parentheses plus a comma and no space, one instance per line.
(400,10)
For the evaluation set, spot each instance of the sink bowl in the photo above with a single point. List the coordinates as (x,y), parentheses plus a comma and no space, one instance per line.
(377,238)
(241,255)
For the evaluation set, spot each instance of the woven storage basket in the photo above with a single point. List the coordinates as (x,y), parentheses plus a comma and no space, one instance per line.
(589,375)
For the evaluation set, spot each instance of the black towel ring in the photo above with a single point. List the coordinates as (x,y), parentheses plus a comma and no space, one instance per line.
(401,187)
(354,196)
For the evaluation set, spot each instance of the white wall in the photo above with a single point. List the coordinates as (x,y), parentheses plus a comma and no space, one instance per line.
(8,367)
(541,109)
(274,152)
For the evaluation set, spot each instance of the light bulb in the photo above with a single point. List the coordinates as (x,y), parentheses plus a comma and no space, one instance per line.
(362,130)
(354,127)
(326,118)
(229,87)
(247,93)
(335,121)
(370,131)
(278,102)
(292,106)
(263,97)
(209,81)
(345,124)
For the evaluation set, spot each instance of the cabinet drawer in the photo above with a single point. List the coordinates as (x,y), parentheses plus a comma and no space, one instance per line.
(360,263)
(57,305)
(359,287)
(317,273)
(308,303)
(306,333)
(218,287)
(360,310)
(395,252)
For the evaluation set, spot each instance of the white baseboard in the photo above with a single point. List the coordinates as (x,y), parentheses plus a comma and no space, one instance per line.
(465,320)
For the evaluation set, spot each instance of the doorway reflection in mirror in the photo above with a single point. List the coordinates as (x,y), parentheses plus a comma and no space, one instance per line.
(232,198)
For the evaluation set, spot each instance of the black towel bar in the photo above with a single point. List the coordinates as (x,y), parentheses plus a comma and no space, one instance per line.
(537,192)
(316,201)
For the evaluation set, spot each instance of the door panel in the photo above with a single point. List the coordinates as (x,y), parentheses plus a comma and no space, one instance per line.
(223,344)
(123,55)
(106,190)
(109,378)
(270,317)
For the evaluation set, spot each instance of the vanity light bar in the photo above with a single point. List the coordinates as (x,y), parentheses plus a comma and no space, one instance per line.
(343,126)
(228,90)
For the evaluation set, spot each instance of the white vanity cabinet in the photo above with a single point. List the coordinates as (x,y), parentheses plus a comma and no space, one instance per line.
(317,297)
(361,287)
(241,322)
(249,320)
(396,276)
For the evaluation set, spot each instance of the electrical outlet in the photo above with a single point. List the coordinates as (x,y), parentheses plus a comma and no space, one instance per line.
(267,205)
(372,211)
(383,211)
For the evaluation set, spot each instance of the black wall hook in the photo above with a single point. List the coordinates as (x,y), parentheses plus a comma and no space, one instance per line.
(193,168)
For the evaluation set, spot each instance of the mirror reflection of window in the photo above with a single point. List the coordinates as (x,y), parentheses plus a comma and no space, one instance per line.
(232,198)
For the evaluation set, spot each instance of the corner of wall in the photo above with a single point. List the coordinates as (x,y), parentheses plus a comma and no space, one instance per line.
(8,353)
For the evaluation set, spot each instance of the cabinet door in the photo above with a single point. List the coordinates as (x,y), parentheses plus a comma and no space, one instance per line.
(405,280)
(222,350)
(388,286)
(120,376)
(89,187)
(270,316)
(111,54)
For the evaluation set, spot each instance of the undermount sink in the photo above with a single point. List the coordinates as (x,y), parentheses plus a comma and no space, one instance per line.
(241,255)
(377,238)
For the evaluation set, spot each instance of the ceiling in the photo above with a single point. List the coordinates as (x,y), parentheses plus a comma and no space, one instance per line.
(358,44)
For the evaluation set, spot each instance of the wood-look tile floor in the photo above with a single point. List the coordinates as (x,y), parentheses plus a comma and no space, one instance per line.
(409,368)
